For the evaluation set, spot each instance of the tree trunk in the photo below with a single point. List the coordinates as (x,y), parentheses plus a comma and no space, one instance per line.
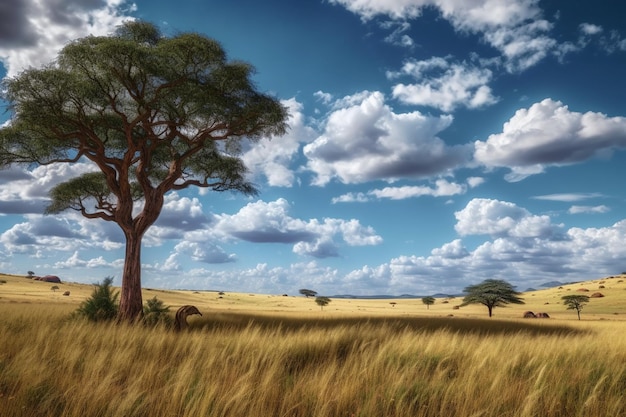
(490,309)
(131,302)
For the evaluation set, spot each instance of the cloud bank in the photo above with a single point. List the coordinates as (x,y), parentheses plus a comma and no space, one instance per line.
(33,32)
(517,30)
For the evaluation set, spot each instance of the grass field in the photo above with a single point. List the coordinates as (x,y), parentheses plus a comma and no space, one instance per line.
(274,355)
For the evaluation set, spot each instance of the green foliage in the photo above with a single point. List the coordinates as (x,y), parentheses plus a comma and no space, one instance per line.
(428,301)
(102,305)
(575,302)
(54,288)
(155,313)
(491,293)
(308,293)
(322,301)
(73,193)
(176,96)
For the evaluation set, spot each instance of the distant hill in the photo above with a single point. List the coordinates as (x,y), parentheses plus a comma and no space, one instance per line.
(551,284)
(386,296)
(374,297)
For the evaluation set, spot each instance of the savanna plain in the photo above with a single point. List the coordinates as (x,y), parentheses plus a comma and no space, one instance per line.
(283,355)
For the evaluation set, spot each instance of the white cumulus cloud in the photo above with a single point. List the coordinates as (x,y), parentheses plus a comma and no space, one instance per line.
(365,140)
(270,222)
(444,85)
(443,188)
(501,218)
(549,133)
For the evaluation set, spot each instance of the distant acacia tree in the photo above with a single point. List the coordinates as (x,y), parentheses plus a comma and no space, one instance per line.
(308,293)
(491,293)
(30,274)
(575,302)
(54,288)
(322,301)
(428,301)
(150,114)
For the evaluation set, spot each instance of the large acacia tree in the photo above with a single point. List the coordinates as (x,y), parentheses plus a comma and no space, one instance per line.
(491,293)
(151,113)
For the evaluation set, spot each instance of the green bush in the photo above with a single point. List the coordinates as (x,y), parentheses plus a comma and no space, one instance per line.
(102,305)
(155,313)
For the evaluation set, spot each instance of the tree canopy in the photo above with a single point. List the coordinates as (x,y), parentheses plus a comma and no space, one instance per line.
(575,302)
(322,301)
(428,301)
(151,113)
(491,293)
(308,293)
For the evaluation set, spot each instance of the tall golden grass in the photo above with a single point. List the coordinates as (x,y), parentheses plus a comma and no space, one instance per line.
(278,364)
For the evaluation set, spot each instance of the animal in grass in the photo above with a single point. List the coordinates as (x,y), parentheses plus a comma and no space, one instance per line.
(181,316)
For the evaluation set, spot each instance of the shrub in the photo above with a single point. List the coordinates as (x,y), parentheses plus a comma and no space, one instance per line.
(102,305)
(155,313)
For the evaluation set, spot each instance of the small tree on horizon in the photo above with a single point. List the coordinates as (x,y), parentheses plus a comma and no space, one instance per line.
(428,301)
(575,302)
(322,301)
(308,293)
(491,293)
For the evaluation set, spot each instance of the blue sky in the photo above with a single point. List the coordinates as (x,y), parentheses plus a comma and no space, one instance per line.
(432,144)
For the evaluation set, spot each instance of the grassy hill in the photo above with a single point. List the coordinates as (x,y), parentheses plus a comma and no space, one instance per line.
(612,306)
